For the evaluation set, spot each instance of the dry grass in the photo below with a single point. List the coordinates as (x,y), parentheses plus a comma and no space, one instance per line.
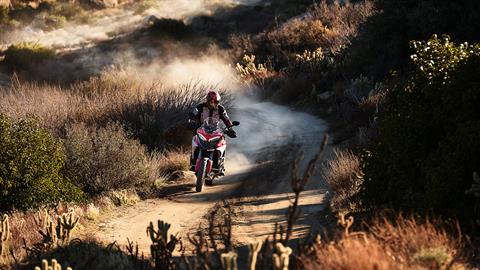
(329,27)
(344,175)
(405,243)
(150,111)
(174,160)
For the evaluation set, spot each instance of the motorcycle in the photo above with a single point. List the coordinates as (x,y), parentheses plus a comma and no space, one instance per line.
(209,146)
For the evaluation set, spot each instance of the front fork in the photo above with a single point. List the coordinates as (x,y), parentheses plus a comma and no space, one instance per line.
(204,155)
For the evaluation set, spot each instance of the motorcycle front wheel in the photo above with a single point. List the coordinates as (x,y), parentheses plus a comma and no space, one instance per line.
(200,176)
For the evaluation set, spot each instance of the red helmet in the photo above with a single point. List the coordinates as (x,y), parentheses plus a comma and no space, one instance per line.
(213,96)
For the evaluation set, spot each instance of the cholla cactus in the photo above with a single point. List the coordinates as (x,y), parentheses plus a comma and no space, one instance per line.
(254,249)
(49,233)
(4,236)
(248,69)
(65,224)
(41,218)
(346,224)
(52,234)
(229,261)
(310,61)
(161,249)
(55,266)
(281,259)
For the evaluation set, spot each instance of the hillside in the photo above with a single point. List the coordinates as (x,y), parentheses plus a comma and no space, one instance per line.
(357,145)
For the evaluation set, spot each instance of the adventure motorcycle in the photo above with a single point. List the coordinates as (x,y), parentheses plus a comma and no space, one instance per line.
(209,146)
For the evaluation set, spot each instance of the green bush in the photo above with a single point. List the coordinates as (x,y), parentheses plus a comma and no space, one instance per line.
(30,164)
(429,145)
(382,45)
(26,54)
(105,159)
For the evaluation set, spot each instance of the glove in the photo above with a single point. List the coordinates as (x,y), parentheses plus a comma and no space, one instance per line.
(192,124)
(231,133)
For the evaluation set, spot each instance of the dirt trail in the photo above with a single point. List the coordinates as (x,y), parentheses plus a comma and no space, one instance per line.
(258,202)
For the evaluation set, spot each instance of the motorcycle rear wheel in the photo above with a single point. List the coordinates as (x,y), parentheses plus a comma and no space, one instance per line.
(200,176)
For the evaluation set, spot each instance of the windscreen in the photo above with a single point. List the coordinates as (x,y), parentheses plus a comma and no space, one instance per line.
(210,125)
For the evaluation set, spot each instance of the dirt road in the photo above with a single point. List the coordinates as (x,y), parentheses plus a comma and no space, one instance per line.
(259,195)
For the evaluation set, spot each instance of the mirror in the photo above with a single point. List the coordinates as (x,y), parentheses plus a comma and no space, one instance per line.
(235,123)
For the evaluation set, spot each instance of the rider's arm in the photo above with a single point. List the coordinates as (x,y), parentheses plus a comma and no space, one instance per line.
(224,116)
(197,112)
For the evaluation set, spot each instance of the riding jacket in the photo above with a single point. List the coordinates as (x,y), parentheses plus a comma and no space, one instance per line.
(202,112)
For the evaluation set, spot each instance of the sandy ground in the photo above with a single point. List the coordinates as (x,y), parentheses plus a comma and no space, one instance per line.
(259,195)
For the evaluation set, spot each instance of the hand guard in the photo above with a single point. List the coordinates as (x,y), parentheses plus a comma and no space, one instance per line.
(231,133)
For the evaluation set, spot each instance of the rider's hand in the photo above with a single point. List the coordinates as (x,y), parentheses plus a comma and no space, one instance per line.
(231,133)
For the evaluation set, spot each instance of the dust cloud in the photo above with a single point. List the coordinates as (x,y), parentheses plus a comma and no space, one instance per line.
(107,24)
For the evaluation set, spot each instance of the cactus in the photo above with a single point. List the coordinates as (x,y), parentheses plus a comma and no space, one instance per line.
(55,266)
(41,218)
(281,259)
(254,249)
(49,234)
(65,224)
(53,234)
(229,260)
(345,223)
(160,249)
(4,237)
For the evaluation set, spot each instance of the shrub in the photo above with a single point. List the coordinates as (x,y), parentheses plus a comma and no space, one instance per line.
(25,55)
(30,164)
(152,113)
(174,160)
(344,175)
(405,243)
(382,45)
(428,145)
(104,159)
(86,254)
(327,27)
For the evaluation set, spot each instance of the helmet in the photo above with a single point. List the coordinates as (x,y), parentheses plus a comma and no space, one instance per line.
(213,96)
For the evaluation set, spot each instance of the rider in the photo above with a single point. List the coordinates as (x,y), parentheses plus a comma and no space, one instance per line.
(211,108)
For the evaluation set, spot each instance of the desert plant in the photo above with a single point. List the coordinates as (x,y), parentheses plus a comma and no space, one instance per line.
(281,258)
(229,260)
(253,248)
(25,55)
(298,185)
(54,234)
(55,266)
(4,239)
(30,174)
(428,143)
(404,243)
(174,160)
(344,175)
(104,159)
(162,248)
(86,254)
(211,248)
(249,70)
